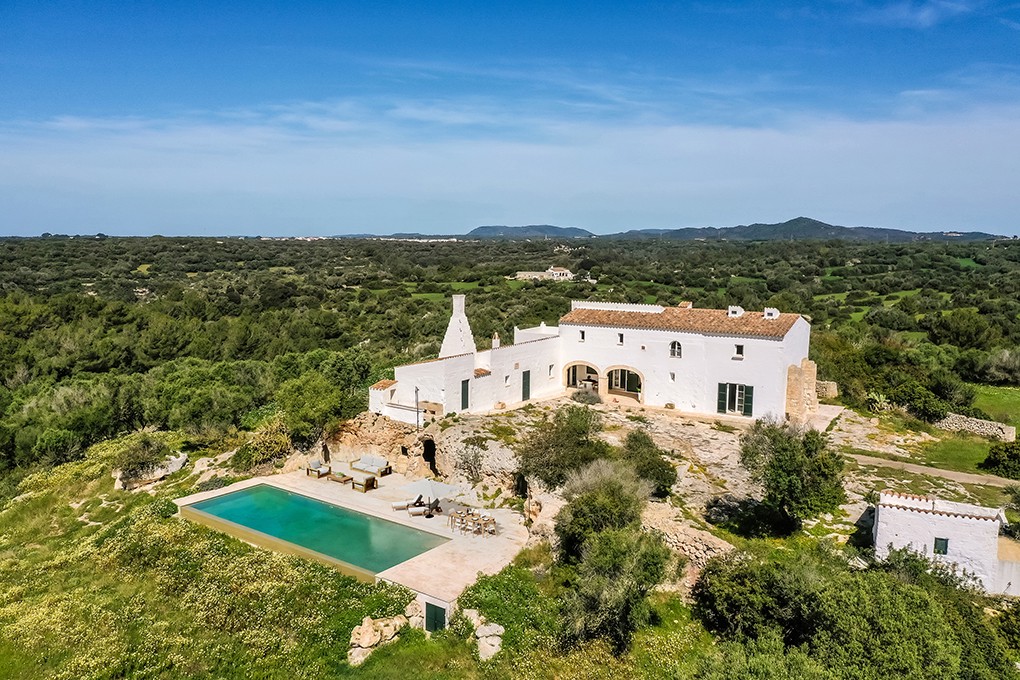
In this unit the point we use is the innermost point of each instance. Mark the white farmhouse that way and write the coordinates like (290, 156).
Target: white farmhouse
(550, 274)
(703, 361)
(959, 534)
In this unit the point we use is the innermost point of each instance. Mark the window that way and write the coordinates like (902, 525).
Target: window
(736, 399)
(619, 338)
(582, 336)
(550, 370)
(506, 380)
(941, 546)
(672, 377)
(738, 351)
(675, 350)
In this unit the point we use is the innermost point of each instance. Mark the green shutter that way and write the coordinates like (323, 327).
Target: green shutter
(748, 400)
(465, 387)
(435, 617)
(722, 398)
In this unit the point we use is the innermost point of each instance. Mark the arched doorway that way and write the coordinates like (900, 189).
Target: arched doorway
(582, 376)
(429, 455)
(625, 381)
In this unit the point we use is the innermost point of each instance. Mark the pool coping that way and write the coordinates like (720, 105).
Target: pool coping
(264, 540)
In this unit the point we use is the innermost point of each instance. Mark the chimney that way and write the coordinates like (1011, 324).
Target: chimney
(495, 341)
(771, 313)
(734, 311)
(686, 304)
(458, 339)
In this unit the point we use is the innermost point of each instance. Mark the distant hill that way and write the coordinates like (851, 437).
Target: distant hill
(799, 229)
(530, 231)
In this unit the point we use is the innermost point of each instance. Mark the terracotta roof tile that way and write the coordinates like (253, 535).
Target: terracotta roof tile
(482, 372)
(689, 320)
(383, 385)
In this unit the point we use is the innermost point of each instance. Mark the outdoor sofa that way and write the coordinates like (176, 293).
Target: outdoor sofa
(373, 465)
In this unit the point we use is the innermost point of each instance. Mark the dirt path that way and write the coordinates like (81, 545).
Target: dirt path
(962, 477)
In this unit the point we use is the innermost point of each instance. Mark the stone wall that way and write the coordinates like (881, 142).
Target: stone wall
(826, 389)
(801, 391)
(679, 534)
(954, 422)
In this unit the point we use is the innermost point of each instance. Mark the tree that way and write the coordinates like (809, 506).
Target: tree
(801, 476)
(618, 569)
(565, 444)
(1003, 459)
(604, 495)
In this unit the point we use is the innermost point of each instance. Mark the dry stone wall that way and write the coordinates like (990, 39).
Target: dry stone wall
(954, 422)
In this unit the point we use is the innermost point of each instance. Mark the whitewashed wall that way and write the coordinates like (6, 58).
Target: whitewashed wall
(973, 543)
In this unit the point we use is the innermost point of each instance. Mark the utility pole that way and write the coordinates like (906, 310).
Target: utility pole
(417, 412)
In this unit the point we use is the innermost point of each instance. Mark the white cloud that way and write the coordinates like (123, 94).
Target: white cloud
(337, 167)
(919, 15)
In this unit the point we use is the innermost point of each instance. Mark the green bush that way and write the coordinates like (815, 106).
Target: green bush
(603, 496)
(141, 456)
(269, 442)
(647, 458)
(567, 443)
(1003, 459)
(513, 599)
(619, 568)
(801, 476)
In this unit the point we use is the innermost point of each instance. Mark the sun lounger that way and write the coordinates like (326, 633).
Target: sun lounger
(373, 465)
(426, 510)
(404, 505)
(317, 468)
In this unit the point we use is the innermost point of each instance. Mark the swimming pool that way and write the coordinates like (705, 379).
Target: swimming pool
(359, 544)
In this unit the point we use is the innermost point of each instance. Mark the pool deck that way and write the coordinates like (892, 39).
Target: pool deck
(441, 573)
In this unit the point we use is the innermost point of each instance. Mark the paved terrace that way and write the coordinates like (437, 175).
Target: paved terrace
(443, 572)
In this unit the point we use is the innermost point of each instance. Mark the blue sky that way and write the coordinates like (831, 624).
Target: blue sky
(317, 118)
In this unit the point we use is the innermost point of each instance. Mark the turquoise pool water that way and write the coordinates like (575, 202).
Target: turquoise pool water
(364, 541)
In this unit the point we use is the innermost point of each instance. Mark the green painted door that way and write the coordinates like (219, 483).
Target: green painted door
(526, 385)
(435, 617)
(465, 389)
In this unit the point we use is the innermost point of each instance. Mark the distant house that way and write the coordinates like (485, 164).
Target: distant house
(550, 274)
(959, 534)
(708, 361)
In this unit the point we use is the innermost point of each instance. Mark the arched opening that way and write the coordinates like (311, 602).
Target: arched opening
(582, 376)
(625, 381)
(429, 455)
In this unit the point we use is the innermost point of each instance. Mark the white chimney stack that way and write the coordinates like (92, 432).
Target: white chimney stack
(495, 340)
(734, 311)
(458, 339)
(771, 313)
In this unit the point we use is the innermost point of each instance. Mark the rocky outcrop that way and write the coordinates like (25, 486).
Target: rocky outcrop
(415, 615)
(168, 467)
(954, 422)
(488, 636)
(373, 633)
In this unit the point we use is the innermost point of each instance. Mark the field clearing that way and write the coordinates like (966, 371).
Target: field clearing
(1001, 403)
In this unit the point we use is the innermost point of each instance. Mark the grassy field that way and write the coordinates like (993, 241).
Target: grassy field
(1001, 403)
(956, 452)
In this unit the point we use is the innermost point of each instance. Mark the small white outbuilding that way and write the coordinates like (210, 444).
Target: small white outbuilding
(959, 534)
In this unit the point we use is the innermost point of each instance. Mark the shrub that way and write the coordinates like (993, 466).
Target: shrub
(647, 458)
(270, 441)
(512, 599)
(586, 397)
(604, 495)
(55, 446)
(619, 568)
(921, 401)
(556, 448)
(801, 476)
(1003, 459)
(141, 456)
